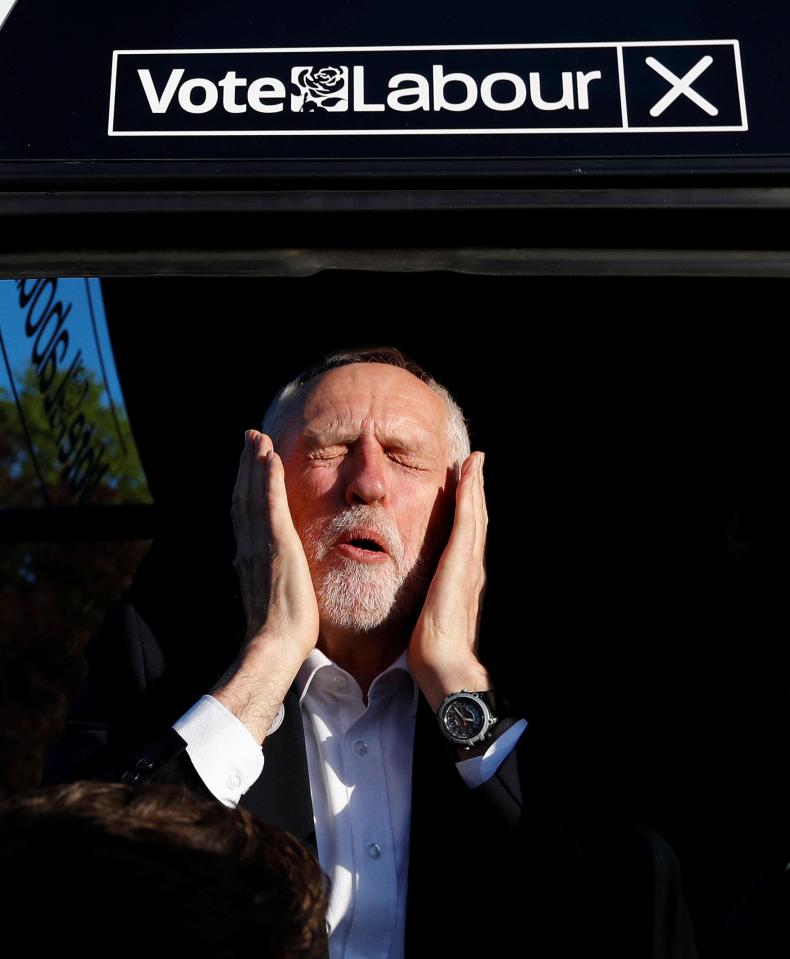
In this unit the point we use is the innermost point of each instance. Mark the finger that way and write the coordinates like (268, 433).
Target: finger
(242, 488)
(240, 505)
(483, 492)
(248, 513)
(246, 480)
(477, 495)
(463, 533)
(481, 510)
(260, 479)
(277, 514)
(279, 510)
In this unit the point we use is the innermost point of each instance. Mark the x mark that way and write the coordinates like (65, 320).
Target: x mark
(681, 85)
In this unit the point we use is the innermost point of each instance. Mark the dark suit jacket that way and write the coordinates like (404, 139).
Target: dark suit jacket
(490, 868)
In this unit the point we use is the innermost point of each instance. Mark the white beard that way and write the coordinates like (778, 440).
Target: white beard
(358, 596)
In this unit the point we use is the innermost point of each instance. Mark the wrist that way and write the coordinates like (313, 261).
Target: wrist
(440, 681)
(272, 643)
(255, 685)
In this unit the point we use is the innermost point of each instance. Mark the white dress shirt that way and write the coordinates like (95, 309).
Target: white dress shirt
(359, 760)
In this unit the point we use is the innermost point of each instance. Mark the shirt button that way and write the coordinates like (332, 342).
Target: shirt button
(360, 748)
(374, 850)
(234, 781)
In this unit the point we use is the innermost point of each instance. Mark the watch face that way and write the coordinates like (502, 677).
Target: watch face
(463, 719)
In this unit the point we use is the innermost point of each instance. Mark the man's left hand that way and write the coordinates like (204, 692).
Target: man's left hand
(442, 651)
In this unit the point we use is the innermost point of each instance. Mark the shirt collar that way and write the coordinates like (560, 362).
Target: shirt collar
(318, 660)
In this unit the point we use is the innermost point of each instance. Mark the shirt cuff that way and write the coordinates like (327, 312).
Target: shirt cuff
(223, 751)
(478, 769)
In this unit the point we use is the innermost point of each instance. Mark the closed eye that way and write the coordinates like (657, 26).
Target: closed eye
(328, 454)
(401, 462)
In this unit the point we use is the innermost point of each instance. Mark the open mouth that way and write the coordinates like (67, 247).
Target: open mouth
(360, 546)
(368, 544)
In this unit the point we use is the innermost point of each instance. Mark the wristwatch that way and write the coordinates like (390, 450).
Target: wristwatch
(467, 718)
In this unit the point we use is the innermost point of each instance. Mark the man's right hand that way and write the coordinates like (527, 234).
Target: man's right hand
(276, 590)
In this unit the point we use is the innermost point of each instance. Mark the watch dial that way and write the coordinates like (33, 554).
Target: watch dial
(463, 719)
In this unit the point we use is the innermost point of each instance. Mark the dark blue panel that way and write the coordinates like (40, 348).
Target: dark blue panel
(717, 70)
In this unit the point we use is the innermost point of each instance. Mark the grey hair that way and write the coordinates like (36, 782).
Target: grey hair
(456, 427)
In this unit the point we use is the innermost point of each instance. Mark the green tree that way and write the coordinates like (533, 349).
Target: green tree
(53, 595)
(32, 449)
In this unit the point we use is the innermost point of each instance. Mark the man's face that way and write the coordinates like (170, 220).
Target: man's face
(366, 458)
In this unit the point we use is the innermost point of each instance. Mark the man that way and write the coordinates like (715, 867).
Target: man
(360, 522)
(207, 880)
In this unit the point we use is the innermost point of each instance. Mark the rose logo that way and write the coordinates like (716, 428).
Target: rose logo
(324, 88)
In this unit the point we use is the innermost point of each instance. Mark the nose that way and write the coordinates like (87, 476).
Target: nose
(367, 478)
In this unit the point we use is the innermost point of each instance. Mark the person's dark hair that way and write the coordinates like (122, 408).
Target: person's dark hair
(456, 427)
(100, 867)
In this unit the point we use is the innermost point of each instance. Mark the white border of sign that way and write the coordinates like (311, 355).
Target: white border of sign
(617, 45)
(6, 6)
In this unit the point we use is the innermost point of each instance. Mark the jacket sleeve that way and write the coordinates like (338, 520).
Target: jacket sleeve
(501, 791)
(117, 728)
(672, 931)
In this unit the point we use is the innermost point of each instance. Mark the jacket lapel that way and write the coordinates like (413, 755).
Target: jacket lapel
(437, 823)
(281, 794)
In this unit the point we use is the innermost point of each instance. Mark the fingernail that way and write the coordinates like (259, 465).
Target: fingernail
(482, 460)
